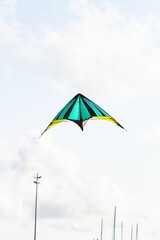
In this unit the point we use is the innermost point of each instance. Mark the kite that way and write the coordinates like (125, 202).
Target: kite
(79, 110)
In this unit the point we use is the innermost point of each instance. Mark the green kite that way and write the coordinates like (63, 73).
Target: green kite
(79, 110)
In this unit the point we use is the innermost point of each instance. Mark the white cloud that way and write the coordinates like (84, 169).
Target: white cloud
(9, 34)
(103, 52)
(68, 191)
(7, 159)
(25, 49)
(8, 7)
(71, 197)
(6, 69)
(154, 135)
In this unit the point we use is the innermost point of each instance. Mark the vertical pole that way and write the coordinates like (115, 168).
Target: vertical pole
(137, 232)
(121, 230)
(35, 219)
(132, 232)
(114, 225)
(101, 229)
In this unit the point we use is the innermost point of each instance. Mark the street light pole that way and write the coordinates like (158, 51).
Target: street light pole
(35, 221)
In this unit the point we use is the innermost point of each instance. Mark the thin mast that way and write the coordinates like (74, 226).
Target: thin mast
(121, 230)
(137, 232)
(101, 229)
(114, 225)
(132, 232)
(35, 220)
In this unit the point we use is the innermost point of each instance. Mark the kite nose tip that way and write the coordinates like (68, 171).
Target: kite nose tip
(79, 94)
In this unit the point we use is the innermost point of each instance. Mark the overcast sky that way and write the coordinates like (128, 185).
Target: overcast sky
(110, 52)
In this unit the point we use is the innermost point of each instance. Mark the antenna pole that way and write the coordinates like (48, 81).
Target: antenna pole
(35, 220)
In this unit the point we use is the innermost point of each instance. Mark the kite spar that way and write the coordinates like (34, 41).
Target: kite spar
(79, 110)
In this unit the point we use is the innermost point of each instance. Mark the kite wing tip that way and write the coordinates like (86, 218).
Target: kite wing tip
(121, 126)
(42, 133)
(124, 129)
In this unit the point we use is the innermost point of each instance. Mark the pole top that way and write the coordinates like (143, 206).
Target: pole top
(36, 179)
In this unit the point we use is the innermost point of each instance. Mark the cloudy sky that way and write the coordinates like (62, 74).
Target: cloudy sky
(50, 51)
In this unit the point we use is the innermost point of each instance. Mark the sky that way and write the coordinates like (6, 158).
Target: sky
(110, 52)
